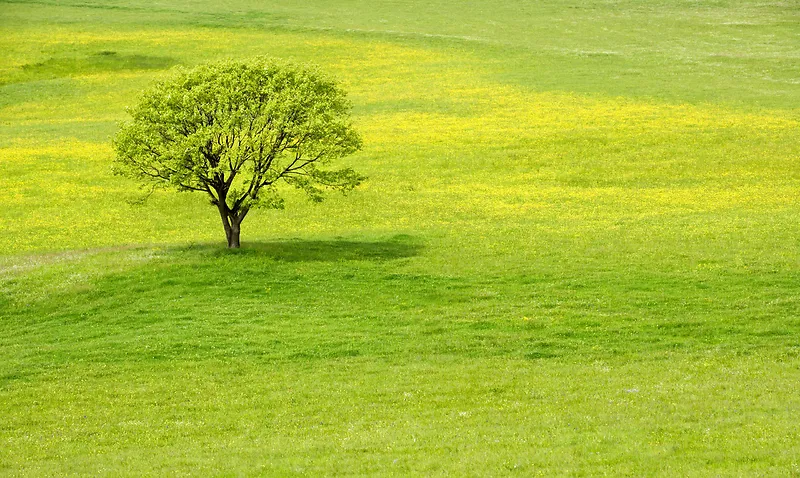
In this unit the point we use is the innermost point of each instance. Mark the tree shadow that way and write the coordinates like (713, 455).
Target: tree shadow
(300, 250)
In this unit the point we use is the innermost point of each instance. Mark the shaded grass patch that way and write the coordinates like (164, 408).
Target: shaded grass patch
(301, 250)
(104, 61)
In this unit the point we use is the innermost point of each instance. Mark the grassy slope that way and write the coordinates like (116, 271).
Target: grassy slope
(578, 251)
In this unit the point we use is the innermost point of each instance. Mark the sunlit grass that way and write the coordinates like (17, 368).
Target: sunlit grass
(485, 139)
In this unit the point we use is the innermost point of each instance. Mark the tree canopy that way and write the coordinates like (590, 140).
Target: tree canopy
(235, 131)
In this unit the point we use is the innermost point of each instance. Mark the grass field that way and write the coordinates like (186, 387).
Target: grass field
(577, 253)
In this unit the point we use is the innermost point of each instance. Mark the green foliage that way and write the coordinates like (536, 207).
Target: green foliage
(235, 130)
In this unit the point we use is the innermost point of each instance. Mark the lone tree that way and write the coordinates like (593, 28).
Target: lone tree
(235, 131)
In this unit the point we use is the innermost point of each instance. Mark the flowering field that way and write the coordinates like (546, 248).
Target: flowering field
(578, 250)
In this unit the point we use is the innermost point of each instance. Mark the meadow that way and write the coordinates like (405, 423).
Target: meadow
(577, 253)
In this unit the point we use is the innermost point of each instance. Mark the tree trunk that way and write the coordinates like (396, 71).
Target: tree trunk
(227, 223)
(233, 237)
(231, 220)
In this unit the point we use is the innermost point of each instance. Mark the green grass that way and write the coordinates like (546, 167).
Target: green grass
(577, 254)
